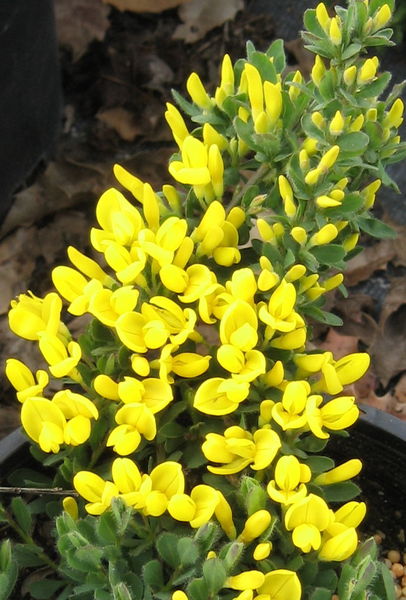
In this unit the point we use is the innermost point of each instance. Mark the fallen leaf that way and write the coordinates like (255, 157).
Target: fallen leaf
(145, 6)
(358, 322)
(388, 350)
(78, 22)
(62, 185)
(368, 261)
(304, 58)
(339, 345)
(400, 390)
(122, 121)
(201, 16)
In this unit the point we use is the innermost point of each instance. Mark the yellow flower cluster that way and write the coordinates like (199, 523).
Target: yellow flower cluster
(199, 321)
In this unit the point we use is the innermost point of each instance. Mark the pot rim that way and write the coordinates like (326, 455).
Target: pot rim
(370, 415)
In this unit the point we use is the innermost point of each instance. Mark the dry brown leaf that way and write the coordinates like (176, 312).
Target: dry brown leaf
(78, 22)
(400, 390)
(369, 260)
(304, 58)
(145, 6)
(357, 320)
(122, 121)
(388, 350)
(62, 185)
(339, 345)
(201, 16)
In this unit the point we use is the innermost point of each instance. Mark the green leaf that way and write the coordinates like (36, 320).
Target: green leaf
(311, 23)
(322, 316)
(188, 551)
(329, 254)
(341, 492)
(22, 514)
(320, 594)
(197, 590)
(277, 51)
(354, 142)
(376, 228)
(319, 464)
(187, 107)
(327, 578)
(312, 444)
(166, 545)
(8, 570)
(214, 575)
(375, 88)
(383, 586)
(45, 588)
(152, 574)
(351, 50)
(264, 65)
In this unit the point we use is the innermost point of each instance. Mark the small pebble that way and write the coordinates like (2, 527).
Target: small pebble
(398, 591)
(394, 556)
(397, 570)
(378, 538)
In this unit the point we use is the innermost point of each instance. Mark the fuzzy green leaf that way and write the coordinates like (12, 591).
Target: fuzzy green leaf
(166, 545)
(329, 254)
(45, 588)
(376, 228)
(22, 514)
(354, 142)
(214, 575)
(341, 492)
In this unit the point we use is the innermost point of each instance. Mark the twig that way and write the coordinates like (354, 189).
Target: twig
(40, 491)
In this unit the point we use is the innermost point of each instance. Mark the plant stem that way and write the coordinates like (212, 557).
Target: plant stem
(39, 491)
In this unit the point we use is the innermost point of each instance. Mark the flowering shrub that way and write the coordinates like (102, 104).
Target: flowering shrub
(192, 411)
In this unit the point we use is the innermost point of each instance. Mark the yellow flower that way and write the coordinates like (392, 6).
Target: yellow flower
(287, 478)
(71, 507)
(244, 367)
(133, 420)
(340, 546)
(281, 584)
(98, 492)
(192, 169)
(324, 236)
(289, 412)
(343, 472)
(218, 396)
(394, 117)
(279, 313)
(307, 518)
(78, 412)
(154, 393)
(29, 316)
(368, 70)
(334, 415)
(247, 580)
(238, 326)
(323, 17)
(44, 422)
(62, 359)
(107, 306)
(238, 449)
(22, 379)
(197, 509)
(351, 514)
(167, 480)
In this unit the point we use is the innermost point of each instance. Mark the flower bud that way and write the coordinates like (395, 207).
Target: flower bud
(255, 526)
(343, 472)
(318, 120)
(368, 71)
(326, 235)
(349, 75)
(329, 158)
(262, 551)
(382, 17)
(295, 272)
(322, 16)
(357, 123)
(335, 31)
(286, 192)
(337, 124)
(318, 70)
(394, 117)
(350, 242)
(299, 235)
(333, 282)
(197, 92)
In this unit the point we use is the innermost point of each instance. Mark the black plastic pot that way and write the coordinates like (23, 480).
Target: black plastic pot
(378, 439)
(30, 96)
